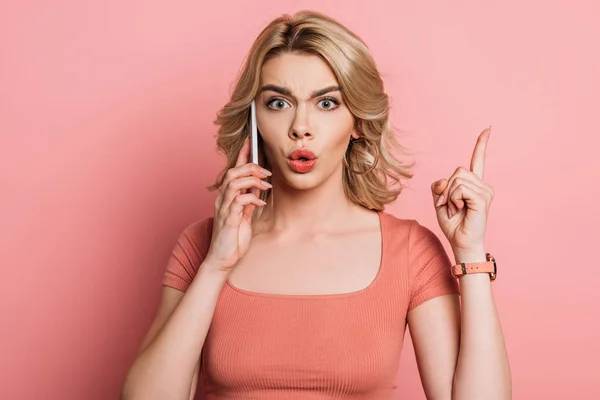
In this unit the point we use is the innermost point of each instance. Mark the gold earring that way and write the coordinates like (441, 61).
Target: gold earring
(369, 145)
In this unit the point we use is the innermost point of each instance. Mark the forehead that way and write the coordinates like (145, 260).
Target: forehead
(301, 73)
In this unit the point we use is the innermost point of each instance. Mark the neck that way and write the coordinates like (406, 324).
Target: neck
(322, 208)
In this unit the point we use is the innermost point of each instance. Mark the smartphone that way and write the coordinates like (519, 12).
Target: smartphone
(253, 135)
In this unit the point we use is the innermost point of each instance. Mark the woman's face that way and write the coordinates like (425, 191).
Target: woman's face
(299, 107)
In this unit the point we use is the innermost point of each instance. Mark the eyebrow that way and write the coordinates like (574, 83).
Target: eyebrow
(287, 92)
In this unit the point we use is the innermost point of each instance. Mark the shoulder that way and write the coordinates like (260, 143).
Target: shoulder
(189, 252)
(199, 228)
(196, 236)
(394, 226)
(394, 223)
(423, 254)
(408, 231)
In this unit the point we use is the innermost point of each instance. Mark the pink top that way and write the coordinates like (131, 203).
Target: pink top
(346, 346)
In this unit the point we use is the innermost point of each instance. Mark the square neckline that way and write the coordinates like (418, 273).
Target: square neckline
(325, 296)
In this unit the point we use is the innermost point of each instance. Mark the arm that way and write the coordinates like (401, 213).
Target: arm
(433, 312)
(435, 333)
(462, 203)
(167, 365)
(477, 368)
(169, 301)
(482, 370)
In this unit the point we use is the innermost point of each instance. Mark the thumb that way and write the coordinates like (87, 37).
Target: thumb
(437, 188)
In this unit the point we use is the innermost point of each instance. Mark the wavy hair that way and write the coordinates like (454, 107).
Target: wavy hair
(372, 175)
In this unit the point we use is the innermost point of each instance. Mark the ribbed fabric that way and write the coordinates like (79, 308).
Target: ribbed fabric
(343, 346)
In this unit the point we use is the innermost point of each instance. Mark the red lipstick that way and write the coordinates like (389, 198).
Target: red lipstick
(302, 160)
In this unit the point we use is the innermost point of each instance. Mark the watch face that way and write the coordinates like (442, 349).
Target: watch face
(491, 258)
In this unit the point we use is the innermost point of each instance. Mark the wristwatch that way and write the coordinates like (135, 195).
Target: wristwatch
(488, 266)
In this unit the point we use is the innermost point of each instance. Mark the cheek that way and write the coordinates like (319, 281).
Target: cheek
(337, 129)
(271, 127)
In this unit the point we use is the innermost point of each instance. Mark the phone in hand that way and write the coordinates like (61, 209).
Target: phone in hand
(253, 135)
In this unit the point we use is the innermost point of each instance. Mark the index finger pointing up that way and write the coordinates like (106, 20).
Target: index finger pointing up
(478, 159)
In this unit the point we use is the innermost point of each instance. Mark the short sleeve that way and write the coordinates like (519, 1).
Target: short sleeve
(187, 255)
(429, 267)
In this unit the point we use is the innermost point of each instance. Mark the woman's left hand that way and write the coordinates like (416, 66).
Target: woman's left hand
(462, 203)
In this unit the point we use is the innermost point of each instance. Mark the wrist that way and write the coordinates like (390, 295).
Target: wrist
(214, 270)
(471, 255)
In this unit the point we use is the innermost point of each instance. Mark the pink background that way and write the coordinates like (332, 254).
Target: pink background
(107, 143)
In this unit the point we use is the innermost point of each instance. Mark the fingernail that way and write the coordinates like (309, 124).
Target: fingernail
(266, 184)
(265, 172)
(440, 201)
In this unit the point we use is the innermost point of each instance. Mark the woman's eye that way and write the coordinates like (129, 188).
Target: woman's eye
(277, 104)
(328, 104)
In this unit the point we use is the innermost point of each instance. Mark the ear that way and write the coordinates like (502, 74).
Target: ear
(355, 135)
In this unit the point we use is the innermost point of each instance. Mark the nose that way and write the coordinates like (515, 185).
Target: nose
(300, 128)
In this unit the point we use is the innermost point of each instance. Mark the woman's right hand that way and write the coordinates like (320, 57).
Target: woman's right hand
(232, 229)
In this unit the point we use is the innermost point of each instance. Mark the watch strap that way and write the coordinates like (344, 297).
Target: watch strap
(488, 266)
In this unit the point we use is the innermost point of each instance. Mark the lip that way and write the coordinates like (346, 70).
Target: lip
(302, 160)
(297, 154)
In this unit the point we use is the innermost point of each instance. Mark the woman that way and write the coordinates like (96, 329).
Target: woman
(305, 282)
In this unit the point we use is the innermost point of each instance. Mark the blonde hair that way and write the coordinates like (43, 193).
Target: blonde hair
(372, 175)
